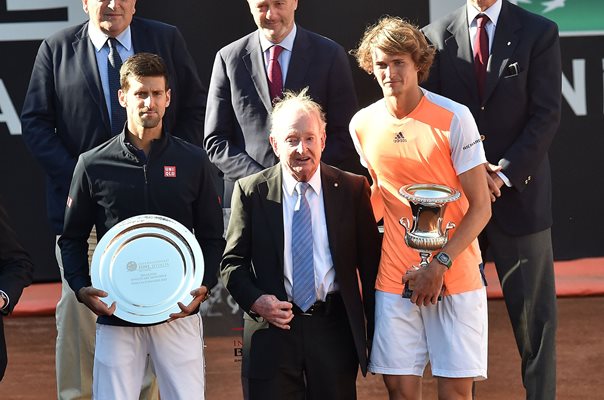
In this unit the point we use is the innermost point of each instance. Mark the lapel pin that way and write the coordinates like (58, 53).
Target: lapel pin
(509, 43)
(335, 184)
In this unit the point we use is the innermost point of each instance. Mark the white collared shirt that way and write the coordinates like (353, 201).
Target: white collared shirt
(124, 47)
(286, 54)
(325, 274)
(491, 12)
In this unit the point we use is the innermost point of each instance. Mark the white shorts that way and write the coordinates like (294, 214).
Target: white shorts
(175, 347)
(452, 335)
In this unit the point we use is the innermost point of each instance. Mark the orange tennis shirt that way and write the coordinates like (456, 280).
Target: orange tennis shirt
(434, 143)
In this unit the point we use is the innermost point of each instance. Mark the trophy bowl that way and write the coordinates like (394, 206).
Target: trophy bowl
(147, 264)
(425, 233)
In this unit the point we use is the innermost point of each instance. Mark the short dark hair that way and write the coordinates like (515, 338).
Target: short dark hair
(140, 65)
(394, 35)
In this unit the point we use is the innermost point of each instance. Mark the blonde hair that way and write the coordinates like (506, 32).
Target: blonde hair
(393, 36)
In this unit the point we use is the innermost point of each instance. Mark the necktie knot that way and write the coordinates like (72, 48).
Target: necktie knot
(481, 20)
(301, 188)
(274, 52)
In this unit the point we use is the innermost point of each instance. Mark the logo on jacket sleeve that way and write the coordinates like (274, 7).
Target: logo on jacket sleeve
(169, 171)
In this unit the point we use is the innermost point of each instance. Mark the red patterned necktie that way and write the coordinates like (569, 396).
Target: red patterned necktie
(275, 77)
(481, 51)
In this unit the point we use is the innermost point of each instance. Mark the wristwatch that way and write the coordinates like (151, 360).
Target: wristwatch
(444, 259)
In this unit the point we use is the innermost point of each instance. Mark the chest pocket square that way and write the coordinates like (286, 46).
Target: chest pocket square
(511, 70)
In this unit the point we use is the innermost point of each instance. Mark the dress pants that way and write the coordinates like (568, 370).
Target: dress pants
(314, 360)
(76, 330)
(526, 271)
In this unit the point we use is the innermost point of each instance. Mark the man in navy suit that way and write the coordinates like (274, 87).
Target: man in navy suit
(16, 272)
(70, 108)
(240, 99)
(516, 106)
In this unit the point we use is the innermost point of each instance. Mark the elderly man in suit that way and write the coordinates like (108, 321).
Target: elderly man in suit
(16, 272)
(251, 72)
(504, 64)
(294, 260)
(71, 106)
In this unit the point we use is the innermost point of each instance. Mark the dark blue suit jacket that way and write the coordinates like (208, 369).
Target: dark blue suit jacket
(65, 113)
(16, 272)
(237, 122)
(520, 112)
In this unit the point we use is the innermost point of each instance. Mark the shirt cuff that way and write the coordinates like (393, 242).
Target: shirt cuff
(4, 298)
(504, 178)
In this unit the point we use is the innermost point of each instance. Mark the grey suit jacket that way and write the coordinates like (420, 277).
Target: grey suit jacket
(237, 122)
(253, 259)
(65, 114)
(520, 112)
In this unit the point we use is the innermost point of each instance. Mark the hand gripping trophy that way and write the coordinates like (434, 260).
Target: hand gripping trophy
(428, 202)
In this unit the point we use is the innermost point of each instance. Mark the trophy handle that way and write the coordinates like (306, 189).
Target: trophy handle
(405, 223)
(450, 225)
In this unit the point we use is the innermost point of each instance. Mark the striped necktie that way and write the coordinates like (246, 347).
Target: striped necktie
(117, 112)
(302, 252)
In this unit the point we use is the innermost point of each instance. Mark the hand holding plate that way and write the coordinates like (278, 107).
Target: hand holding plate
(90, 297)
(199, 296)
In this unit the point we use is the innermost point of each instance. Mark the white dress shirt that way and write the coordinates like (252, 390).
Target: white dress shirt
(286, 54)
(491, 12)
(124, 48)
(325, 274)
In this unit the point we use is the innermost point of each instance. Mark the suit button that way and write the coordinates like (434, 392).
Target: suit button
(482, 138)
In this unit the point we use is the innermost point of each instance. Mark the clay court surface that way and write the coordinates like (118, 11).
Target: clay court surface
(30, 374)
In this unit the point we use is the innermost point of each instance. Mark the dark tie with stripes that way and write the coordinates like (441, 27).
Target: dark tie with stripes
(117, 112)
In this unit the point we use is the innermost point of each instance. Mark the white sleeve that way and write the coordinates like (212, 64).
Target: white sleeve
(466, 145)
(355, 139)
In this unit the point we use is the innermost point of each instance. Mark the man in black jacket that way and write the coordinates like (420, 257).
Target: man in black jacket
(143, 170)
(15, 273)
(71, 106)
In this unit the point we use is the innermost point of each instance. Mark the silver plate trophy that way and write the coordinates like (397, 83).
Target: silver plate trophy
(428, 202)
(147, 264)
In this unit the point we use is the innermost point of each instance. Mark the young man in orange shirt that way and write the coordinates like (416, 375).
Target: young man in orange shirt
(415, 136)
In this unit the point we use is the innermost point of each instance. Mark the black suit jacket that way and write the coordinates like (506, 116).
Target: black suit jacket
(237, 122)
(253, 259)
(520, 112)
(65, 113)
(16, 272)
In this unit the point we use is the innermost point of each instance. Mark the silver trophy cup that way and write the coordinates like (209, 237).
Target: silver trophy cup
(425, 234)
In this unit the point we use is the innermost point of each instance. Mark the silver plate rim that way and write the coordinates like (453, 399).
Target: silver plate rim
(142, 224)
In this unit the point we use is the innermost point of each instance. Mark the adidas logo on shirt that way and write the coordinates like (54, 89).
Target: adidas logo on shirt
(399, 138)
